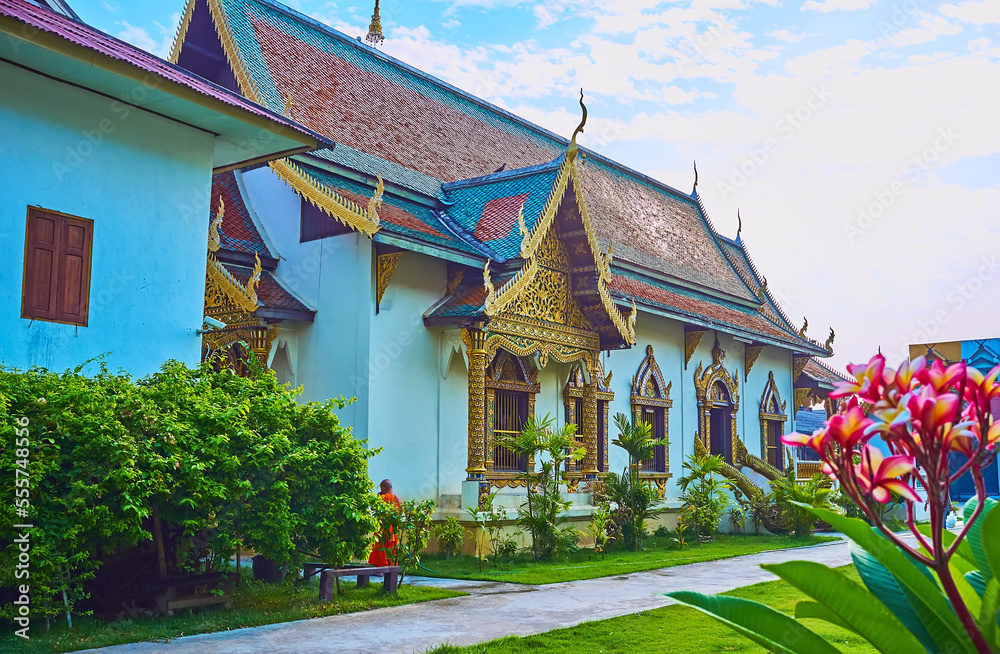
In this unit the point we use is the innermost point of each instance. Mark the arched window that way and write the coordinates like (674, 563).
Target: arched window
(772, 425)
(717, 391)
(651, 404)
(510, 400)
(573, 397)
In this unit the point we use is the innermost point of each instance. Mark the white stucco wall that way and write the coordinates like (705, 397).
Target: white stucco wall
(144, 180)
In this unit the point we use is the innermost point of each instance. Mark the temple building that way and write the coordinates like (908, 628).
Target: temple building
(457, 269)
(108, 158)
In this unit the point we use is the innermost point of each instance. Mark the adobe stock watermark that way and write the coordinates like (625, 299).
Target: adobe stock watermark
(899, 16)
(913, 170)
(786, 127)
(956, 299)
(693, 48)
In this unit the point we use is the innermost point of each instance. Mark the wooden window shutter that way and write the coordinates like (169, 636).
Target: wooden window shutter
(57, 267)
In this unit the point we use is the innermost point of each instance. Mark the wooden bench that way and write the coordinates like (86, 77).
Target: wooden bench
(329, 578)
(182, 592)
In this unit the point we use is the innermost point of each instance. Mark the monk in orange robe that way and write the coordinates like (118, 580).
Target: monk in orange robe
(386, 540)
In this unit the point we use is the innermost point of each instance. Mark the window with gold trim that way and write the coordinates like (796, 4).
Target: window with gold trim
(772, 425)
(651, 404)
(573, 397)
(510, 401)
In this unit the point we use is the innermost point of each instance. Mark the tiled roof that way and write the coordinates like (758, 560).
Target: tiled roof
(823, 373)
(372, 103)
(652, 293)
(238, 231)
(809, 420)
(371, 164)
(740, 258)
(270, 292)
(83, 35)
(487, 207)
(467, 300)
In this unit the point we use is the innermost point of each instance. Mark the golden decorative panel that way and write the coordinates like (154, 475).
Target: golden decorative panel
(692, 337)
(750, 355)
(798, 365)
(385, 267)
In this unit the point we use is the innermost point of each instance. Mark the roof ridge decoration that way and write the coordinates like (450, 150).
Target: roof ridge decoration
(498, 299)
(182, 29)
(214, 239)
(375, 36)
(333, 204)
(340, 208)
(244, 297)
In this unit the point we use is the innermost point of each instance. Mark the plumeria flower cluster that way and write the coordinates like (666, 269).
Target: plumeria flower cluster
(925, 414)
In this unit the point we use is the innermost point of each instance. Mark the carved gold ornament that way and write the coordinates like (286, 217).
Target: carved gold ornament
(798, 365)
(751, 352)
(708, 393)
(334, 205)
(214, 240)
(692, 337)
(385, 266)
(805, 326)
(829, 342)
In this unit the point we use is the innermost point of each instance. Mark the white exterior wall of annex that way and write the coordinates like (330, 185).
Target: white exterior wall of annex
(329, 356)
(407, 406)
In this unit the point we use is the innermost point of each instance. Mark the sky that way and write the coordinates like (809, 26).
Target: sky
(859, 140)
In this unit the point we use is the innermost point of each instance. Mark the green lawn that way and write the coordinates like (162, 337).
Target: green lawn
(585, 564)
(670, 629)
(254, 604)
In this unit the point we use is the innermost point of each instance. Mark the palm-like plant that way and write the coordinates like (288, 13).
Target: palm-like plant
(703, 493)
(545, 507)
(792, 497)
(635, 500)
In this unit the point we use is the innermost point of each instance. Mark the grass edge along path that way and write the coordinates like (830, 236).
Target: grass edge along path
(586, 564)
(671, 629)
(254, 604)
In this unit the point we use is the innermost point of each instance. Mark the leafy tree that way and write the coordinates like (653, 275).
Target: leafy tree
(411, 526)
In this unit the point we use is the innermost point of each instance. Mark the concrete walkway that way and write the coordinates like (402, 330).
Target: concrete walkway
(492, 610)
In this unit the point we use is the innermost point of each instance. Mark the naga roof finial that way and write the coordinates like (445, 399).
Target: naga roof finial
(695, 188)
(572, 149)
(214, 240)
(805, 326)
(829, 342)
(739, 227)
(375, 29)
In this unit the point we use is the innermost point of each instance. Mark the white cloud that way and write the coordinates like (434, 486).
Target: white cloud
(786, 36)
(929, 28)
(451, 23)
(141, 38)
(826, 6)
(977, 13)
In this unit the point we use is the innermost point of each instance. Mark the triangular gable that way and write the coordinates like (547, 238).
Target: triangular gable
(561, 257)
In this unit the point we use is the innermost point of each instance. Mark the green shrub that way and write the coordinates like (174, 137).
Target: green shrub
(450, 535)
(703, 493)
(793, 498)
(216, 457)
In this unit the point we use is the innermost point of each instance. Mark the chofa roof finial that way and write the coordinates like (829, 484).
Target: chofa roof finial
(375, 29)
(739, 227)
(572, 149)
(694, 189)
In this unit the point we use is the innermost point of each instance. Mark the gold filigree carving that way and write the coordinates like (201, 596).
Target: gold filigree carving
(223, 288)
(476, 341)
(340, 208)
(214, 240)
(385, 266)
(802, 397)
(692, 337)
(751, 352)
(798, 365)
(181, 34)
(650, 391)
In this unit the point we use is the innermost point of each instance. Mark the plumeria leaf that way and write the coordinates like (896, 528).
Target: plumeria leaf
(762, 624)
(975, 535)
(975, 579)
(883, 585)
(816, 611)
(989, 614)
(930, 604)
(990, 536)
(964, 550)
(849, 601)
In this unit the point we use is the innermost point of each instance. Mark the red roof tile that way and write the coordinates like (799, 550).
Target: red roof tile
(270, 293)
(238, 230)
(499, 217)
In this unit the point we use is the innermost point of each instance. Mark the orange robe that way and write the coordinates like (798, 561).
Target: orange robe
(386, 540)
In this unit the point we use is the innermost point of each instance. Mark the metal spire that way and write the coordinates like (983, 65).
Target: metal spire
(375, 29)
